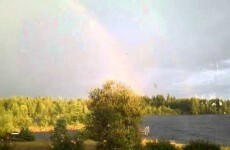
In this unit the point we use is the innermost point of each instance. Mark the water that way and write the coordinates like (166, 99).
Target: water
(183, 128)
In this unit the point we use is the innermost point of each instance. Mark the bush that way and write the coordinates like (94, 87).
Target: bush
(26, 135)
(5, 145)
(61, 139)
(201, 145)
(78, 141)
(161, 145)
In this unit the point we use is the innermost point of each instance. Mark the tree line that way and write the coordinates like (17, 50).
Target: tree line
(112, 116)
(17, 112)
(161, 105)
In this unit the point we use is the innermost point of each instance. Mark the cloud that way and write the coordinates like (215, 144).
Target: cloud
(177, 47)
(206, 82)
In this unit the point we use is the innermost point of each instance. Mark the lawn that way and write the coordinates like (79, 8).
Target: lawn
(44, 145)
(35, 145)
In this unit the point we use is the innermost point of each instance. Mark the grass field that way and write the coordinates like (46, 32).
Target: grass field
(44, 145)
(35, 145)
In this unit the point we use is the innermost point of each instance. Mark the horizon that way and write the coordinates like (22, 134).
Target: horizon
(66, 48)
(211, 97)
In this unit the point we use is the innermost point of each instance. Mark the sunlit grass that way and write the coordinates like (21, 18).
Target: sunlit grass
(35, 145)
(225, 148)
(78, 126)
(88, 144)
(45, 145)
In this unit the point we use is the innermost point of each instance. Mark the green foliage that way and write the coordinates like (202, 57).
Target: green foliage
(16, 112)
(161, 145)
(201, 145)
(183, 105)
(78, 140)
(5, 142)
(5, 146)
(157, 105)
(160, 106)
(6, 123)
(115, 117)
(59, 137)
(26, 135)
(195, 106)
(40, 112)
(62, 141)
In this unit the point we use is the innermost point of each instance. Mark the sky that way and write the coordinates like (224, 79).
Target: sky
(65, 48)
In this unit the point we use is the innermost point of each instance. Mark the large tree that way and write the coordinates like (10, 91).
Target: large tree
(116, 116)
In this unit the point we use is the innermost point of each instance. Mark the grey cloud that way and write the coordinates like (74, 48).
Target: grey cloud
(196, 34)
(205, 82)
(182, 48)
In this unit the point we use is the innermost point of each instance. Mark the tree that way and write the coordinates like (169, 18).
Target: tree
(59, 137)
(158, 100)
(62, 141)
(6, 123)
(26, 134)
(195, 106)
(115, 117)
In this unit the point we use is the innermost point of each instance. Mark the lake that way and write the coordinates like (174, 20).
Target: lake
(182, 128)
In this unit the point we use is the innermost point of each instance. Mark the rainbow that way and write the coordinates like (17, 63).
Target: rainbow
(116, 64)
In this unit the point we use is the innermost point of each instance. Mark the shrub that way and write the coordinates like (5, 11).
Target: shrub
(62, 141)
(201, 145)
(161, 145)
(59, 137)
(78, 141)
(4, 145)
(26, 135)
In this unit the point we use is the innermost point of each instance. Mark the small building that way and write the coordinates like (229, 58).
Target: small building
(14, 136)
(145, 131)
